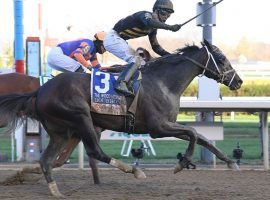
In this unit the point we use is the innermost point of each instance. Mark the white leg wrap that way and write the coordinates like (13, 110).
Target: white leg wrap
(122, 166)
(54, 189)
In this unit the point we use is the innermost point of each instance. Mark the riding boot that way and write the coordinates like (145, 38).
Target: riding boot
(124, 78)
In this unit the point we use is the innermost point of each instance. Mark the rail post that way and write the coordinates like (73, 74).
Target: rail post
(207, 21)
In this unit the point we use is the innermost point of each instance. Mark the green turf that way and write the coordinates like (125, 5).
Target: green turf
(244, 129)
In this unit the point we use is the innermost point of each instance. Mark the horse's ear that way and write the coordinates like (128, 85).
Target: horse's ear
(206, 43)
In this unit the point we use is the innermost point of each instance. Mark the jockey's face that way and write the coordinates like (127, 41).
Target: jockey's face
(163, 15)
(101, 49)
(99, 46)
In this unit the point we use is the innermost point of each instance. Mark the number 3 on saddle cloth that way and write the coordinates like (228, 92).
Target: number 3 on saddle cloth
(105, 100)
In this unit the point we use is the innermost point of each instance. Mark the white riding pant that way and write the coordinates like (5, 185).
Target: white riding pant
(119, 47)
(57, 60)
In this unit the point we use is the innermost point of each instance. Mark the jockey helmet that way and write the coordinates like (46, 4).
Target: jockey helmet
(98, 41)
(163, 5)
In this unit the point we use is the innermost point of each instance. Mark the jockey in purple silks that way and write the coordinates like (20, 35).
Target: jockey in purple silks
(71, 56)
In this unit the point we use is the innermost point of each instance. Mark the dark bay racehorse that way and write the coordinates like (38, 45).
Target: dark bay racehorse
(62, 105)
(17, 83)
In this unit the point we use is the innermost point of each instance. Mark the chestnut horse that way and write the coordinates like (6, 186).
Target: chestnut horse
(17, 83)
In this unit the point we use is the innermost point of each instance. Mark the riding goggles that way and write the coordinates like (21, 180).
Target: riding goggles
(165, 12)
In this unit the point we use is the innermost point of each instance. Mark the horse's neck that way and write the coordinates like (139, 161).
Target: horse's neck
(187, 72)
(175, 78)
(179, 76)
(190, 70)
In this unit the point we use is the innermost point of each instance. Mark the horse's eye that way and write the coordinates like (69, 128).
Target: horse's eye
(222, 59)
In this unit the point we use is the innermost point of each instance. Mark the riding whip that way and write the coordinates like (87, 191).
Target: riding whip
(214, 4)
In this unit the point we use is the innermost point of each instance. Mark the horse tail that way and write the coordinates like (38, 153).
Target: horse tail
(15, 107)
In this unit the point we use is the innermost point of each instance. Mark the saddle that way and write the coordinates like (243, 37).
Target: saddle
(105, 100)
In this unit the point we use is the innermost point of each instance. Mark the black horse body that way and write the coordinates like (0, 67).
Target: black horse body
(63, 107)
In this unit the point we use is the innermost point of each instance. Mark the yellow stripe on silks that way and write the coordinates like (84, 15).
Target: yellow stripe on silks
(134, 33)
(140, 30)
(127, 35)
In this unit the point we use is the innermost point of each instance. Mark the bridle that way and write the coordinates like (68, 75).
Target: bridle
(222, 75)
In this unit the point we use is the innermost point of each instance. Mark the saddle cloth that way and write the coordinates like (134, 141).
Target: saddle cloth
(104, 99)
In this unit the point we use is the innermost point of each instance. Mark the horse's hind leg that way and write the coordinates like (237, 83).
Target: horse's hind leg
(68, 147)
(56, 144)
(92, 160)
(66, 152)
(91, 143)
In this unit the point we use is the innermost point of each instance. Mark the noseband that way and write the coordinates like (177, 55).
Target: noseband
(220, 74)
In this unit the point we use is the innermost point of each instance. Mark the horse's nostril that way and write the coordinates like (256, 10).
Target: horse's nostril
(240, 82)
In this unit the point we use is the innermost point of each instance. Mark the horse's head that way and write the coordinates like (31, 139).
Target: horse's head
(144, 54)
(220, 68)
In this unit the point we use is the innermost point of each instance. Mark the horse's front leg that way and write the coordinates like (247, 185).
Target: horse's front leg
(91, 143)
(92, 161)
(170, 129)
(207, 144)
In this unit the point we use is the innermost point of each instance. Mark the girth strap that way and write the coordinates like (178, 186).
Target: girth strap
(130, 123)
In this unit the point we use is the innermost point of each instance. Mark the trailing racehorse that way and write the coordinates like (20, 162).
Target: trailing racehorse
(16, 83)
(62, 105)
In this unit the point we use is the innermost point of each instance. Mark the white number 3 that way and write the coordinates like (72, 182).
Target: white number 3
(105, 81)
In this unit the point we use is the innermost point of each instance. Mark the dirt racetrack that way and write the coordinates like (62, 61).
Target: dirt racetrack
(159, 184)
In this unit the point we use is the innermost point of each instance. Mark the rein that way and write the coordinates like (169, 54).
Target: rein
(205, 68)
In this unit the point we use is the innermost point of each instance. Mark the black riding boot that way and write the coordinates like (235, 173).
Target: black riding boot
(124, 78)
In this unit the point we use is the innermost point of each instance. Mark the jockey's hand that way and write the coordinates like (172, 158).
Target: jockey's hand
(175, 27)
(104, 68)
(89, 68)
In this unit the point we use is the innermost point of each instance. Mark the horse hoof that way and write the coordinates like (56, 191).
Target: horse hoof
(96, 182)
(233, 166)
(184, 162)
(179, 167)
(138, 173)
(54, 190)
(60, 196)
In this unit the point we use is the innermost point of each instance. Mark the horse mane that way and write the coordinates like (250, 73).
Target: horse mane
(173, 58)
(187, 49)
